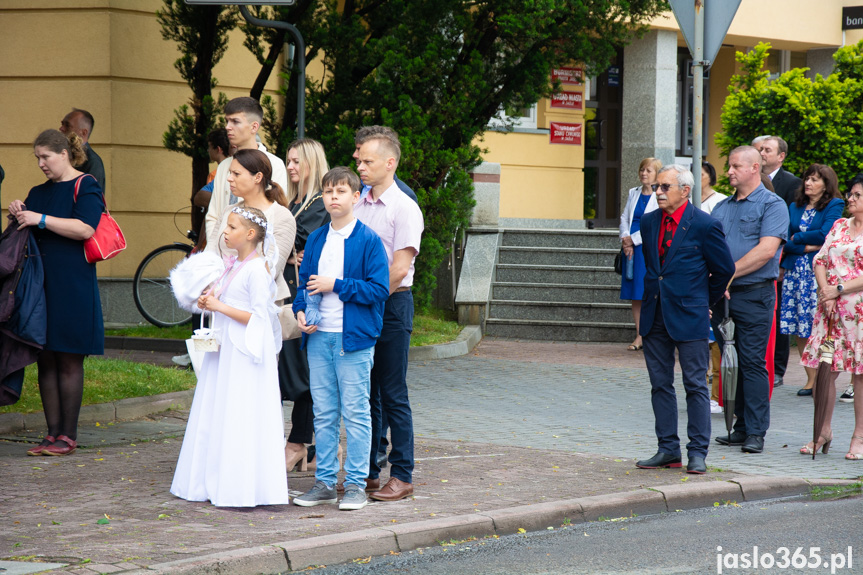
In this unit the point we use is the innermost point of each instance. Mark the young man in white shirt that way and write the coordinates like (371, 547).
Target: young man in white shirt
(243, 117)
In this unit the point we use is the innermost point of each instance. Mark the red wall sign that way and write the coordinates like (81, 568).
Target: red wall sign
(571, 100)
(571, 75)
(562, 133)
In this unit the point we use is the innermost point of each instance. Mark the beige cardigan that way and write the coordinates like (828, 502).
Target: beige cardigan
(284, 228)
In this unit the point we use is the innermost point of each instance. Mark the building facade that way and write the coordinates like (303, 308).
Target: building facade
(568, 163)
(642, 106)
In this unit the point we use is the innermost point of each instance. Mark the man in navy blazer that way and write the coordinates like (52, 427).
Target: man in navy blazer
(689, 267)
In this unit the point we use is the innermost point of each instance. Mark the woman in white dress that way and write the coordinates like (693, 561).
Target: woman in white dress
(232, 452)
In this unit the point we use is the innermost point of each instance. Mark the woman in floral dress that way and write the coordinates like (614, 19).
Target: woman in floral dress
(839, 274)
(812, 215)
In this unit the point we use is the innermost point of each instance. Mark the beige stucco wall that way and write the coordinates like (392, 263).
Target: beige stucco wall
(106, 56)
(539, 179)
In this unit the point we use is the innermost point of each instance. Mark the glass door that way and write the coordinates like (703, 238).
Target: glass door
(602, 147)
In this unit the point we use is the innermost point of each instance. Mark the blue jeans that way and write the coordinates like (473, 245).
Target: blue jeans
(340, 383)
(693, 356)
(390, 389)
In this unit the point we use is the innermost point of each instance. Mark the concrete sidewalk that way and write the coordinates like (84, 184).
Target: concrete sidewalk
(515, 435)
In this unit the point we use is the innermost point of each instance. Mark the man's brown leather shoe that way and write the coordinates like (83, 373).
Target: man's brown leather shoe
(394, 490)
(371, 485)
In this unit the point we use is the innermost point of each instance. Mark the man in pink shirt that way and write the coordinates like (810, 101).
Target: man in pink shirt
(399, 223)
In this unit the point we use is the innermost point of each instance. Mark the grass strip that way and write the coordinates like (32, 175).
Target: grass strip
(176, 332)
(107, 380)
(433, 327)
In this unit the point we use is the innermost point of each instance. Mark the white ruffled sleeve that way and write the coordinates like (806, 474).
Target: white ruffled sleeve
(261, 338)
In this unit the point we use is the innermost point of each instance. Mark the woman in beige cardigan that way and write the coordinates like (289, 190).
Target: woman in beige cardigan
(250, 180)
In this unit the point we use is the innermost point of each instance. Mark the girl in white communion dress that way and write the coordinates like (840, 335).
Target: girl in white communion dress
(233, 450)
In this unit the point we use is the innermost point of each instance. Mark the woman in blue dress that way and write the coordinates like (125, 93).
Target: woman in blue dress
(815, 209)
(642, 200)
(60, 223)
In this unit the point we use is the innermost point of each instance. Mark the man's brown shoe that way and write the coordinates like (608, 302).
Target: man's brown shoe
(394, 490)
(371, 485)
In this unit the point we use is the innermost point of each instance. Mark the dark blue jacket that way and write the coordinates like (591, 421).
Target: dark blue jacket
(23, 334)
(815, 234)
(364, 289)
(696, 272)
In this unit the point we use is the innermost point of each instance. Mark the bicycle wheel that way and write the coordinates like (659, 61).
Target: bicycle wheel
(152, 289)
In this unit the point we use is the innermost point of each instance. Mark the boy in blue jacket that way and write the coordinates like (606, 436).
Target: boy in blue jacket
(346, 263)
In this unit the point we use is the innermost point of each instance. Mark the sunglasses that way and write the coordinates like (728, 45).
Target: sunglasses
(663, 187)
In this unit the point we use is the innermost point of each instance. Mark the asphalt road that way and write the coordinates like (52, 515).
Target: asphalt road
(685, 542)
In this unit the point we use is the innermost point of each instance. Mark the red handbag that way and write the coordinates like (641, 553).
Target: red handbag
(108, 241)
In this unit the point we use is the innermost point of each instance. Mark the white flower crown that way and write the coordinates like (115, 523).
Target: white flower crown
(250, 216)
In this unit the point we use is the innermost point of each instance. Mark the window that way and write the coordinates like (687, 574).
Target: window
(685, 105)
(520, 118)
(780, 61)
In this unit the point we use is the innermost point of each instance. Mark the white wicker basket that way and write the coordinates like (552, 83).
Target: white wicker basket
(206, 339)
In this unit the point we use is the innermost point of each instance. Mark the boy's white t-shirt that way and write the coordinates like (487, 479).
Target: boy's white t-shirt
(332, 265)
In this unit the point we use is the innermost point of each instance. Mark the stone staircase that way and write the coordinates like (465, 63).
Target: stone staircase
(558, 285)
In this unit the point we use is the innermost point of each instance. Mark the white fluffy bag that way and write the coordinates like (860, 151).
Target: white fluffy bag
(192, 276)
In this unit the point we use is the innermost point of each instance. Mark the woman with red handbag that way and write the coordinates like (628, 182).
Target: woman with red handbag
(61, 225)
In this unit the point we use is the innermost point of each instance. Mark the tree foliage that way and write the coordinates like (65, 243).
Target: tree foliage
(438, 71)
(820, 118)
(201, 34)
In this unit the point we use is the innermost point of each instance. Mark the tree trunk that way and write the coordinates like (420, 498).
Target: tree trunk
(202, 89)
(267, 68)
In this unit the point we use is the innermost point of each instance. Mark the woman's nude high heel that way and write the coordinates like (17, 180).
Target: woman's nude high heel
(296, 458)
(808, 450)
(854, 456)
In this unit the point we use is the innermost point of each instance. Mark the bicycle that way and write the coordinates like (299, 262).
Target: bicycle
(151, 287)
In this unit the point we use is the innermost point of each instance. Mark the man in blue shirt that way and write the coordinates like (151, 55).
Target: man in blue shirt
(756, 225)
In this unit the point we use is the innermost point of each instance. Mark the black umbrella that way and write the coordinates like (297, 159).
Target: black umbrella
(728, 368)
(824, 394)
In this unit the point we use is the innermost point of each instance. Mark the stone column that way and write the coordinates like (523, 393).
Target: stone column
(486, 192)
(820, 62)
(649, 103)
(480, 254)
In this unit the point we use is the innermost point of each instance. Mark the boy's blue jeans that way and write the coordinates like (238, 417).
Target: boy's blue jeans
(340, 383)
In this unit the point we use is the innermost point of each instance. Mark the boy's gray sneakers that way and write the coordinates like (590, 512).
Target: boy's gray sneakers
(320, 494)
(354, 498)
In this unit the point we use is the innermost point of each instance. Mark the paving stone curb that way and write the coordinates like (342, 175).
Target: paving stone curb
(177, 346)
(131, 408)
(343, 547)
(136, 407)
(469, 337)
